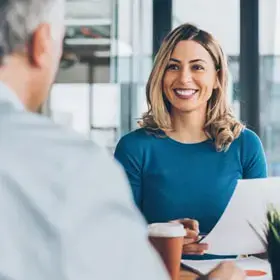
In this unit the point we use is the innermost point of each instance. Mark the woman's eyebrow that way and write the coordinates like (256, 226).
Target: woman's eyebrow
(191, 61)
(198, 60)
(175, 60)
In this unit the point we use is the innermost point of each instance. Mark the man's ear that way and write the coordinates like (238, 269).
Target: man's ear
(40, 45)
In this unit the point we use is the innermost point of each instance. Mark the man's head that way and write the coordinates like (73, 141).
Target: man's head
(31, 36)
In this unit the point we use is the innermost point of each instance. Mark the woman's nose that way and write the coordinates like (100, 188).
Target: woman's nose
(185, 76)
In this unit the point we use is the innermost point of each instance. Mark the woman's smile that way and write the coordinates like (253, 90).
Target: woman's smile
(187, 93)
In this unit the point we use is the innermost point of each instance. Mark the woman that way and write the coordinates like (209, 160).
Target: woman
(187, 157)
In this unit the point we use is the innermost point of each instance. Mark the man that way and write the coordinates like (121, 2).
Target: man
(65, 207)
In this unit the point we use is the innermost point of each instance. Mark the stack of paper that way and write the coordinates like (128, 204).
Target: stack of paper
(235, 232)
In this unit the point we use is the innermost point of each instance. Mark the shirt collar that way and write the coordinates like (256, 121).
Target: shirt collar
(8, 95)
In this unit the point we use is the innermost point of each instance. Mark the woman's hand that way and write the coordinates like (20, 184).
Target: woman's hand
(190, 246)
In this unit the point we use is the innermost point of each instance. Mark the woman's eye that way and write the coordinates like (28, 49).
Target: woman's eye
(172, 67)
(197, 67)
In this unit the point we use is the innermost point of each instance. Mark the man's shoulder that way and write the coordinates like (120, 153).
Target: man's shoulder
(37, 149)
(34, 126)
(24, 132)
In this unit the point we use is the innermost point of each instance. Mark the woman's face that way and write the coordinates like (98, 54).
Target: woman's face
(190, 77)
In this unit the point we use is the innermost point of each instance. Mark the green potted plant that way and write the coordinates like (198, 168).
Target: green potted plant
(273, 241)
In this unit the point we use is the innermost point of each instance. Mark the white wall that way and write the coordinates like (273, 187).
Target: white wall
(69, 104)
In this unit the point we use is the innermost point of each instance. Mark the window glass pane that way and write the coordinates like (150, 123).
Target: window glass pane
(269, 44)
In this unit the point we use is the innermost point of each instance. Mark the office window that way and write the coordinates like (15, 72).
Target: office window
(269, 44)
(222, 19)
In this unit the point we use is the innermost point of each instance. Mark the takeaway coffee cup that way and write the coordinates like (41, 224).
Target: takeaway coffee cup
(168, 239)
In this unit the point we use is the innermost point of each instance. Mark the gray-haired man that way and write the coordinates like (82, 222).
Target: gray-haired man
(65, 207)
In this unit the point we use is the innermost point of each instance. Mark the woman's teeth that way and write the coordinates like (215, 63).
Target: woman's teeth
(185, 92)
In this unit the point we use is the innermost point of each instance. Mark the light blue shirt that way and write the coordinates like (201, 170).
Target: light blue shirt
(66, 211)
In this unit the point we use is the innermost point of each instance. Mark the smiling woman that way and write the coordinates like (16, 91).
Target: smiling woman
(186, 159)
(190, 57)
(189, 79)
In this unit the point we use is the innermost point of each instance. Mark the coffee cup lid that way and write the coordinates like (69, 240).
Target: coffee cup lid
(166, 230)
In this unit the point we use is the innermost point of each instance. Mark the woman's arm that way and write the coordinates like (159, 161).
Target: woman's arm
(252, 156)
(130, 157)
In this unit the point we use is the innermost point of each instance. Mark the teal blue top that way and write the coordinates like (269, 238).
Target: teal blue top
(172, 180)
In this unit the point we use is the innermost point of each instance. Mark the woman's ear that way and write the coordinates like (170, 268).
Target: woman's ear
(216, 83)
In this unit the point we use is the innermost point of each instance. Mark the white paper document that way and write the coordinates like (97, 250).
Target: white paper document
(233, 234)
(246, 264)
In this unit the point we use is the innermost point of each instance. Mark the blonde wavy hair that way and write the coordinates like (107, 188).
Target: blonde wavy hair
(221, 126)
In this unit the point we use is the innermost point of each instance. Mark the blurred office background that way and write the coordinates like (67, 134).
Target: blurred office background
(103, 93)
